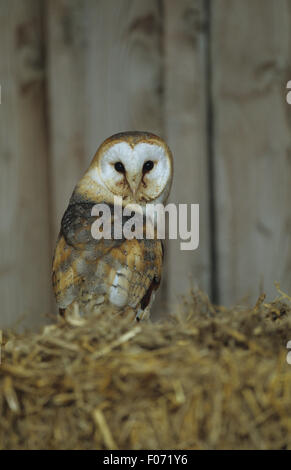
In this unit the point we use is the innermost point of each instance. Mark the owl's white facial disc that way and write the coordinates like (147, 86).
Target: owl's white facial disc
(136, 179)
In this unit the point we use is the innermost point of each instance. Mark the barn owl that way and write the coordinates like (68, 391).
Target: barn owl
(116, 275)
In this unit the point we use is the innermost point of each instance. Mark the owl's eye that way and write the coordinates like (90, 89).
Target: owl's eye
(148, 166)
(119, 167)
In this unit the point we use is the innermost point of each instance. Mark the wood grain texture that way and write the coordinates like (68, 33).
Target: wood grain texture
(66, 67)
(186, 130)
(251, 64)
(25, 263)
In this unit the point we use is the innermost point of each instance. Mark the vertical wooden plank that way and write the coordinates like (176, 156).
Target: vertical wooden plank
(105, 69)
(251, 59)
(124, 75)
(25, 263)
(186, 129)
(66, 67)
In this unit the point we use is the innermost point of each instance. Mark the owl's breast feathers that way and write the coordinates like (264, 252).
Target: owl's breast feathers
(116, 272)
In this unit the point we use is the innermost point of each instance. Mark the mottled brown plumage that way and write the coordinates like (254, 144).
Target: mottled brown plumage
(118, 275)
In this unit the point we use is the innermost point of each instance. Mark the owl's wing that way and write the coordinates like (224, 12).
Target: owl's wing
(155, 283)
(144, 262)
(127, 271)
(76, 250)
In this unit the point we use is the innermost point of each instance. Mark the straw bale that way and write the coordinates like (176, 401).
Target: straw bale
(205, 378)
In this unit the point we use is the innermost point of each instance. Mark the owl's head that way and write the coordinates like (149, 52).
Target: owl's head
(137, 166)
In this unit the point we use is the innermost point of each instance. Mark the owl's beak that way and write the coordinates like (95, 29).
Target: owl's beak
(134, 182)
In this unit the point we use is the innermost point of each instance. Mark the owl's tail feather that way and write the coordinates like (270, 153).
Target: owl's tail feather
(72, 315)
(76, 316)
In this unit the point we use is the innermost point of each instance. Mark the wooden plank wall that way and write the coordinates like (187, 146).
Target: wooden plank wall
(186, 133)
(208, 76)
(251, 64)
(25, 224)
